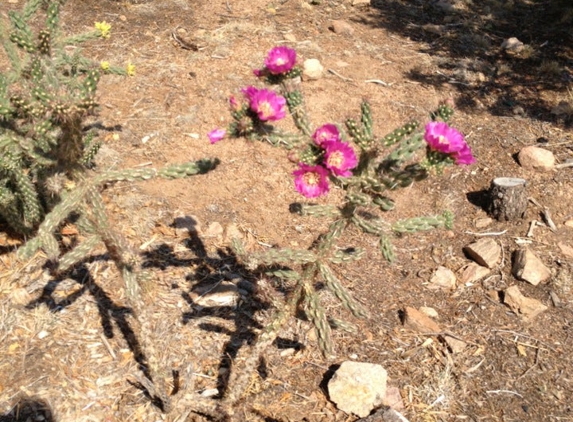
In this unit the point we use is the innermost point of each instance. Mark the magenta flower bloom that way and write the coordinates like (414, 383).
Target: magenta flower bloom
(311, 181)
(327, 132)
(447, 140)
(216, 135)
(280, 60)
(267, 104)
(464, 156)
(249, 92)
(339, 158)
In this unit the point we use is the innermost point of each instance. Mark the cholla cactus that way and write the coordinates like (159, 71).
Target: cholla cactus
(45, 98)
(45, 152)
(368, 169)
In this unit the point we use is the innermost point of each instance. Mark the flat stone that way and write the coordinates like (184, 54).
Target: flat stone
(358, 387)
(482, 223)
(565, 249)
(528, 267)
(525, 307)
(420, 322)
(512, 44)
(473, 272)
(223, 293)
(485, 252)
(341, 27)
(360, 2)
(536, 158)
(431, 312)
(443, 279)
(456, 345)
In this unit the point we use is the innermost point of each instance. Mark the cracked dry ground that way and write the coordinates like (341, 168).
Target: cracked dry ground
(62, 344)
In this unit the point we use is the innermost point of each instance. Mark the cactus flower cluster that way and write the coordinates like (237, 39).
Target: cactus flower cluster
(323, 156)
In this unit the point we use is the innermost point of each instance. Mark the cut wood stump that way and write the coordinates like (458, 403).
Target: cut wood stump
(508, 198)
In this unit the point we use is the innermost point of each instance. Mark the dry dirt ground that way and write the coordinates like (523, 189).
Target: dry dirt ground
(65, 348)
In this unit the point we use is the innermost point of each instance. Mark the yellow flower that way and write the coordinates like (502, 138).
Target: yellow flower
(104, 28)
(104, 65)
(130, 69)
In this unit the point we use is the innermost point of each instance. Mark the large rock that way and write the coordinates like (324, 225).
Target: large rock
(358, 387)
(443, 279)
(420, 322)
(473, 272)
(485, 252)
(312, 69)
(525, 307)
(528, 267)
(533, 157)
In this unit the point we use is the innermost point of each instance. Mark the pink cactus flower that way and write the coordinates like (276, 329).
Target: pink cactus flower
(267, 104)
(249, 92)
(280, 60)
(216, 135)
(447, 140)
(327, 132)
(311, 181)
(339, 158)
(464, 156)
(234, 104)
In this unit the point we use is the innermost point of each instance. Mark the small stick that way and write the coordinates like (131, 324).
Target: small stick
(504, 391)
(377, 81)
(564, 165)
(108, 346)
(547, 217)
(534, 201)
(531, 227)
(344, 78)
(487, 234)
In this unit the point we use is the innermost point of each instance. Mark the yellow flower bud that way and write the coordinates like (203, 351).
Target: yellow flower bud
(130, 69)
(104, 28)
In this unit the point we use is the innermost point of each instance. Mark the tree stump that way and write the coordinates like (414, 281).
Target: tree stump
(508, 198)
